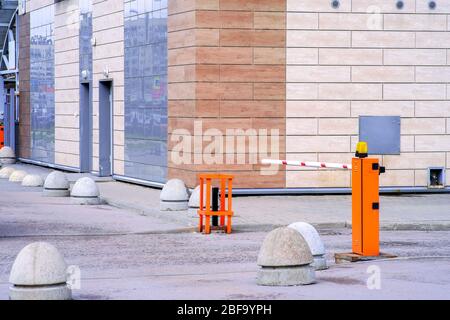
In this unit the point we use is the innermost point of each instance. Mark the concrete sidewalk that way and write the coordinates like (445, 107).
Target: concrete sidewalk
(398, 212)
(405, 212)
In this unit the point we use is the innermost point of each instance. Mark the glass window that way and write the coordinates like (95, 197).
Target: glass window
(42, 85)
(146, 89)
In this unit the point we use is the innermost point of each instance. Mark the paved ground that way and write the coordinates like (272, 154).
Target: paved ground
(124, 255)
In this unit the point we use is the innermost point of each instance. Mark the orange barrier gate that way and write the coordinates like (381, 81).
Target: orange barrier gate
(2, 137)
(208, 209)
(365, 197)
(365, 203)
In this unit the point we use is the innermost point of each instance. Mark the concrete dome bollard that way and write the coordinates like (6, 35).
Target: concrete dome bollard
(56, 185)
(6, 172)
(85, 191)
(17, 176)
(285, 259)
(32, 180)
(7, 156)
(174, 196)
(194, 201)
(311, 236)
(39, 273)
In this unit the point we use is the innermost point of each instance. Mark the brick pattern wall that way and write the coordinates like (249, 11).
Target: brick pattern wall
(107, 20)
(67, 87)
(299, 66)
(24, 138)
(227, 70)
(182, 35)
(345, 62)
(37, 4)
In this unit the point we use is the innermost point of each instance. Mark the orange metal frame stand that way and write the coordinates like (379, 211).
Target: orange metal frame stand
(365, 206)
(2, 137)
(225, 209)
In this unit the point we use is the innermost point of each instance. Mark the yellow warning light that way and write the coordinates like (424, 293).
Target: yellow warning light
(362, 149)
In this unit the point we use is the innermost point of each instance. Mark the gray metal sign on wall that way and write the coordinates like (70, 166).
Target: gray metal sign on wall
(382, 133)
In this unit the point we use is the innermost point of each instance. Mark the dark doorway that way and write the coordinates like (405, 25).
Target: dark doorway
(85, 127)
(105, 128)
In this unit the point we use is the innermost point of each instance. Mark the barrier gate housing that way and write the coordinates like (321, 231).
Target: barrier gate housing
(365, 197)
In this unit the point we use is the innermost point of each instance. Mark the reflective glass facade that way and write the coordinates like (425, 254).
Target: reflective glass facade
(85, 40)
(42, 84)
(146, 89)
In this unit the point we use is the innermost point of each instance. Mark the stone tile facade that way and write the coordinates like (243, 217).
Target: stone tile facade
(366, 57)
(301, 67)
(228, 72)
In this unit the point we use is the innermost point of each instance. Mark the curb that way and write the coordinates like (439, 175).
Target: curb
(143, 210)
(417, 226)
(169, 216)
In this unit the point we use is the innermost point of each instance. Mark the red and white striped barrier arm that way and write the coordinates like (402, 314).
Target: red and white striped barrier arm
(308, 164)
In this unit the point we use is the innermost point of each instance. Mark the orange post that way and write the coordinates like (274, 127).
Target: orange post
(2, 137)
(365, 205)
(225, 209)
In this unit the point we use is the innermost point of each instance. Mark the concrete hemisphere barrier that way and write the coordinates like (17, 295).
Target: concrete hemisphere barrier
(174, 196)
(194, 201)
(7, 156)
(56, 185)
(85, 191)
(285, 259)
(32, 180)
(39, 273)
(312, 237)
(17, 176)
(5, 172)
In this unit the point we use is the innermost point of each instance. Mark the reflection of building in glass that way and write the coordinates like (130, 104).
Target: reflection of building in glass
(146, 90)
(42, 85)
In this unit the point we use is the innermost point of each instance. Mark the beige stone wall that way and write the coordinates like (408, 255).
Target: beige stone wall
(67, 121)
(37, 4)
(345, 62)
(340, 64)
(108, 54)
(227, 70)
